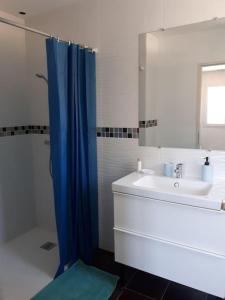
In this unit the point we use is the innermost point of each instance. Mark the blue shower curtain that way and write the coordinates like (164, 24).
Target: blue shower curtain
(72, 116)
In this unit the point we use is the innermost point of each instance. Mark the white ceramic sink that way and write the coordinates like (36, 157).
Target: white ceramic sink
(174, 185)
(191, 192)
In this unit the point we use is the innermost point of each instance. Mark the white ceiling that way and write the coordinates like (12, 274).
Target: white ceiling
(31, 7)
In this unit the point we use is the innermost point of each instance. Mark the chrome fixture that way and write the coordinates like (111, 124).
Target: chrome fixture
(21, 26)
(179, 170)
(176, 185)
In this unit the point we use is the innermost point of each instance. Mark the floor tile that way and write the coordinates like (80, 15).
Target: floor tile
(131, 295)
(177, 291)
(126, 273)
(149, 285)
(116, 294)
(113, 268)
(102, 258)
(121, 270)
(210, 297)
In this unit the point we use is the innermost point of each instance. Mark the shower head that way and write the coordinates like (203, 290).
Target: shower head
(41, 76)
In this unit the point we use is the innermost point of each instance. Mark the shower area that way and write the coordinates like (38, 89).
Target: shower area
(28, 240)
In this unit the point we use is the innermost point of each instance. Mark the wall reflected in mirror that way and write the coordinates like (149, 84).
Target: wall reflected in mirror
(182, 87)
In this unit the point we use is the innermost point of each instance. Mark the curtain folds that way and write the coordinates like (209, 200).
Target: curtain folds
(72, 116)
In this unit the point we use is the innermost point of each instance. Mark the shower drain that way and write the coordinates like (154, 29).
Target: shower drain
(48, 246)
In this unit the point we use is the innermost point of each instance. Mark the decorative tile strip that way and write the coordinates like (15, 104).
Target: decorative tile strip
(22, 130)
(106, 132)
(148, 123)
(37, 129)
(118, 132)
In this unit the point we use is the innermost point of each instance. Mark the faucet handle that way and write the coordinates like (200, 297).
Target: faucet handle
(179, 170)
(180, 165)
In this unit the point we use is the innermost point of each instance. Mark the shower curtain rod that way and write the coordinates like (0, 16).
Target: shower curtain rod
(12, 23)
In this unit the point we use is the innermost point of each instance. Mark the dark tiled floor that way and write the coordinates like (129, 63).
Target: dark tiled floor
(137, 285)
(213, 298)
(148, 285)
(129, 295)
(176, 292)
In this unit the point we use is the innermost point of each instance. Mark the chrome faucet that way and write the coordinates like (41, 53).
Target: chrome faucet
(179, 170)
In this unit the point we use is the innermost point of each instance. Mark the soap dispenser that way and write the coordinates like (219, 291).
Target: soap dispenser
(207, 171)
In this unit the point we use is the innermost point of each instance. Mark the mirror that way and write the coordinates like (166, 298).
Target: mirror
(182, 87)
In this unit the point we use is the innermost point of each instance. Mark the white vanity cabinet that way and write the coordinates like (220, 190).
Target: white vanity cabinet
(176, 241)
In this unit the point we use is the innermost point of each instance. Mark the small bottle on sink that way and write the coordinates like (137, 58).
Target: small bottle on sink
(207, 171)
(139, 165)
(168, 169)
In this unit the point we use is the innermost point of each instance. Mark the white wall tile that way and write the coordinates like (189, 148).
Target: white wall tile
(43, 187)
(17, 206)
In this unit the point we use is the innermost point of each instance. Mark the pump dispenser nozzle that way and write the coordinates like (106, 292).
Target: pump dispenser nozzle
(207, 161)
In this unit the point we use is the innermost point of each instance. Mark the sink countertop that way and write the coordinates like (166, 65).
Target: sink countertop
(162, 188)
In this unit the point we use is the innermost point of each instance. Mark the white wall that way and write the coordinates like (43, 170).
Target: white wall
(12, 74)
(114, 29)
(17, 212)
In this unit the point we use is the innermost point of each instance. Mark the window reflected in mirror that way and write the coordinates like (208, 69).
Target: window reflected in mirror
(212, 125)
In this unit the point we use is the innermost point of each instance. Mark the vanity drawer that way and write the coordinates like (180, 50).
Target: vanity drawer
(187, 266)
(182, 224)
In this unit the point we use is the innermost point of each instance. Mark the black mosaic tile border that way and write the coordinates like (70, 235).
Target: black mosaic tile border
(39, 129)
(22, 130)
(118, 132)
(148, 123)
(106, 132)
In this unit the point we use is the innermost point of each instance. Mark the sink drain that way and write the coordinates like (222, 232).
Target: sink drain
(176, 185)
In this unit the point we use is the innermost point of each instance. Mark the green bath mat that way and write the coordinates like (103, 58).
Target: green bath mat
(80, 282)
